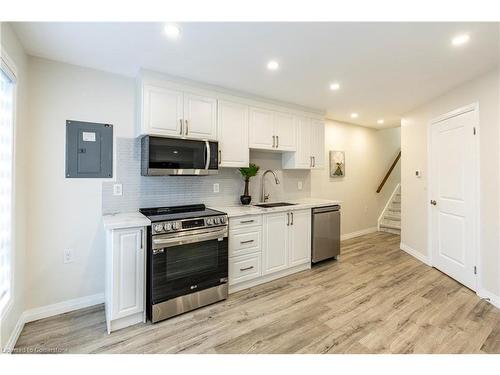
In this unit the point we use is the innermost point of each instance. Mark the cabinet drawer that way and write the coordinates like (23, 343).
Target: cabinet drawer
(245, 221)
(245, 241)
(244, 268)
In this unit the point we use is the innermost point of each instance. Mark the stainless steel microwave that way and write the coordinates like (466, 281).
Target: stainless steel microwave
(169, 157)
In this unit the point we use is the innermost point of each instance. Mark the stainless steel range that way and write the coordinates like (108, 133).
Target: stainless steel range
(187, 259)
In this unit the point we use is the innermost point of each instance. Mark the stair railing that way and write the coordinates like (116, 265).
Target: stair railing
(386, 177)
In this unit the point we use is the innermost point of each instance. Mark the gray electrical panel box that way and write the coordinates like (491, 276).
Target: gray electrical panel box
(89, 150)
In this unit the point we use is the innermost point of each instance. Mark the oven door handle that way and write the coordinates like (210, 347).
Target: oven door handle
(170, 242)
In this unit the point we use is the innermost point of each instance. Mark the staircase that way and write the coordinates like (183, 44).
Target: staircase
(390, 219)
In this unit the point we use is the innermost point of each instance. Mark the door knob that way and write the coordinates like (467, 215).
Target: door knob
(433, 202)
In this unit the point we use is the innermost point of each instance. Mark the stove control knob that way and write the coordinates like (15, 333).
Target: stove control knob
(210, 221)
(223, 219)
(158, 227)
(177, 225)
(167, 226)
(217, 220)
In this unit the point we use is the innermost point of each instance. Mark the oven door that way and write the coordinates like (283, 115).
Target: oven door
(183, 264)
(170, 156)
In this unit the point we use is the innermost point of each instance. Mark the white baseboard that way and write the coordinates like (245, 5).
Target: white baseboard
(63, 307)
(492, 298)
(48, 311)
(414, 253)
(358, 233)
(14, 336)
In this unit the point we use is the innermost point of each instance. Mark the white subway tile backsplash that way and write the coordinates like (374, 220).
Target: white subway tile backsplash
(139, 191)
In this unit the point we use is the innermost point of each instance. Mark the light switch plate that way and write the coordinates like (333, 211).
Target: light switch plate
(117, 189)
(216, 188)
(299, 185)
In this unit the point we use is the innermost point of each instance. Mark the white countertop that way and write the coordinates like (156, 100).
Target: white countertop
(125, 220)
(136, 219)
(299, 204)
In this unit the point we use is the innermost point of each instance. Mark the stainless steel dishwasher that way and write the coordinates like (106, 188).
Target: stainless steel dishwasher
(325, 233)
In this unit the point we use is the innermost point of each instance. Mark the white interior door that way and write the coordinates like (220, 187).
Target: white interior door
(452, 196)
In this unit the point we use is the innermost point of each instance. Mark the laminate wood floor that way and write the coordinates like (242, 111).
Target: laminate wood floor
(375, 299)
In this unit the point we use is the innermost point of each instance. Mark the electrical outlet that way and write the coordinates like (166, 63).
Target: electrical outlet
(299, 185)
(216, 188)
(68, 256)
(117, 189)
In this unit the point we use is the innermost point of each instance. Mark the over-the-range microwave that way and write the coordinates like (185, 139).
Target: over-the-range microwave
(170, 156)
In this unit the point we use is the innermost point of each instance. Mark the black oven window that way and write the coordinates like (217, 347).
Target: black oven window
(190, 260)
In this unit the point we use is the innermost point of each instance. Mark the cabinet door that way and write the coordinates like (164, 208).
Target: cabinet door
(285, 132)
(200, 117)
(233, 134)
(128, 272)
(300, 237)
(261, 129)
(304, 152)
(275, 242)
(318, 143)
(162, 111)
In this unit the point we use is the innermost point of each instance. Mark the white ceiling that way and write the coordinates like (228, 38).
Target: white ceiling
(385, 69)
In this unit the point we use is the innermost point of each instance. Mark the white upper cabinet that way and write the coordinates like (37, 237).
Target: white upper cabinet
(310, 145)
(285, 132)
(261, 129)
(233, 134)
(172, 112)
(271, 130)
(318, 144)
(162, 111)
(200, 116)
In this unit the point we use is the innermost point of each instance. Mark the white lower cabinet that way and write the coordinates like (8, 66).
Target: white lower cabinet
(265, 247)
(275, 242)
(125, 278)
(300, 237)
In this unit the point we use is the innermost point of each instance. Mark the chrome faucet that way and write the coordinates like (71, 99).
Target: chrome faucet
(264, 197)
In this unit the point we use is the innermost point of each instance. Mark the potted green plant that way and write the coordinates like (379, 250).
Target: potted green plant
(247, 173)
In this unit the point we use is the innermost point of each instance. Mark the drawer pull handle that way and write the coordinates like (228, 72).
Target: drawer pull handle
(246, 221)
(247, 241)
(246, 268)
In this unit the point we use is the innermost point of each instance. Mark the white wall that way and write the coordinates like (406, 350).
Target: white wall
(368, 155)
(485, 91)
(16, 53)
(66, 213)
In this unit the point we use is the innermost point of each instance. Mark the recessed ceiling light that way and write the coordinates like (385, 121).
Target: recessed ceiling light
(273, 65)
(334, 86)
(354, 115)
(460, 40)
(172, 31)
(381, 121)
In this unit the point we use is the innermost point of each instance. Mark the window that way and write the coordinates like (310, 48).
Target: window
(7, 96)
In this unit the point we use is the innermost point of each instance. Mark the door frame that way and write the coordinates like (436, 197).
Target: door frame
(475, 175)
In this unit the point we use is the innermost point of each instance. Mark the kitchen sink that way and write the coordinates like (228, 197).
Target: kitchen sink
(277, 204)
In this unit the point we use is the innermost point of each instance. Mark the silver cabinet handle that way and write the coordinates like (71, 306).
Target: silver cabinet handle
(287, 218)
(180, 120)
(277, 141)
(247, 241)
(310, 161)
(187, 127)
(246, 221)
(291, 214)
(246, 268)
(314, 161)
(274, 141)
(220, 157)
(142, 239)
